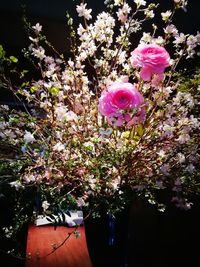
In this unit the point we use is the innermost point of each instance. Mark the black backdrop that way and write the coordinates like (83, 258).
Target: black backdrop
(51, 14)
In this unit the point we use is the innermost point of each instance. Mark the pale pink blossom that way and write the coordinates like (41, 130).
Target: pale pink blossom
(171, 29)
(151, 58)
(122, 103)
(37, 28)
(182, 203)
(179, 39)
(123, 13)
(157, 78)
(80, 202)
(165, 169)
(183, 138)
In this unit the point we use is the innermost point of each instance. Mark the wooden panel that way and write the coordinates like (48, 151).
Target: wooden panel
(42, 239)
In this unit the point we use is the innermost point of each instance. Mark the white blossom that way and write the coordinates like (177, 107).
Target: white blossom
(83, 11)
(149, 14)
(105, 132)
(8, 231)
(146, 38)
(71, 116)
(181, 158)
(28, 137)
(59, 147)
(166, 15)
(38, 52)
(161, 153)
(118, 2)
(45, 205)
(17, 184)
(60, 112)
(140, 3)
(30, 178)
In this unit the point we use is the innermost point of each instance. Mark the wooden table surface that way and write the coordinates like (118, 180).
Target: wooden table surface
(42, 242)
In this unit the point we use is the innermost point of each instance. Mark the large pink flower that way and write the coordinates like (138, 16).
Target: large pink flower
(122, 103)
(151, 58)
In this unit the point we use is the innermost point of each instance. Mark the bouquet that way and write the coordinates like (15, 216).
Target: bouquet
(113, 120)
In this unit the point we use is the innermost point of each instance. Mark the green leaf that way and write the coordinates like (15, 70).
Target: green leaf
(33, 89)
(22, 74)
(126, 134)
(13, 59)
(54, 90)
(2, 52)
(140, 130)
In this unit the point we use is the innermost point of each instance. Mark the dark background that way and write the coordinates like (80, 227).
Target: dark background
(52, 15)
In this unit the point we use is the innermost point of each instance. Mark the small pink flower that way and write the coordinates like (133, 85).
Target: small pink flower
(151, 58)
(122, 103)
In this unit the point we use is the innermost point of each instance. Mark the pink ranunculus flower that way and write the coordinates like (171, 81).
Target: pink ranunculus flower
(122, 104)
(151, 58)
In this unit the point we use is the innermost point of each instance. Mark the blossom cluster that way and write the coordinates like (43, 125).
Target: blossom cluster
(109, 121)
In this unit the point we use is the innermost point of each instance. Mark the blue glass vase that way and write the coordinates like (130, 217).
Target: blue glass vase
(107, 239)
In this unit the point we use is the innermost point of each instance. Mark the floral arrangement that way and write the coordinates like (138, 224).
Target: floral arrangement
(110, 122)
